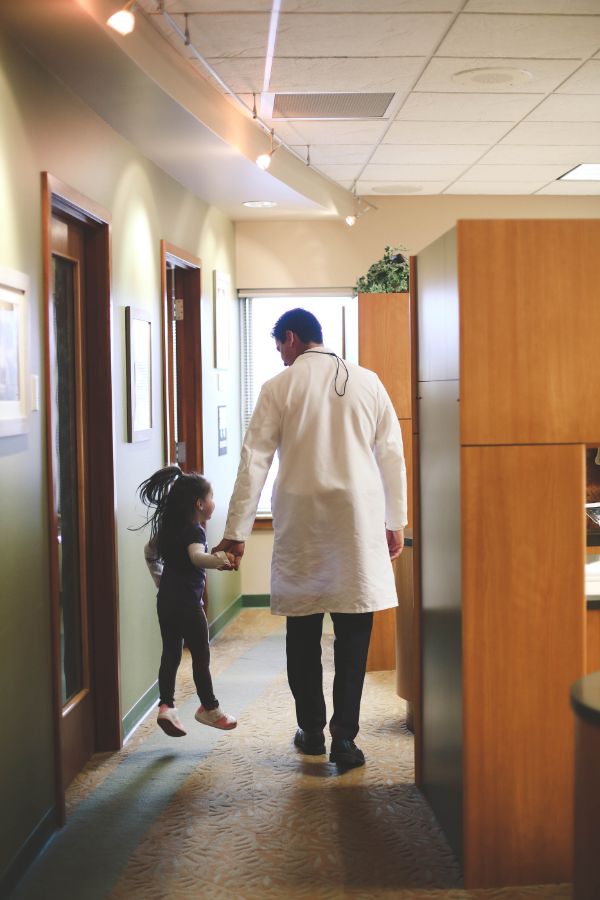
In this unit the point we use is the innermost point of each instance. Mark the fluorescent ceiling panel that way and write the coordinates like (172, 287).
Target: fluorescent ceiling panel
(583, 172)
(415, 189)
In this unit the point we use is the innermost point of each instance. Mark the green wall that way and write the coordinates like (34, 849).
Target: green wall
(44, 127)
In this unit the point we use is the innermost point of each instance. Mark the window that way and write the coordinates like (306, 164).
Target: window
(338, 316)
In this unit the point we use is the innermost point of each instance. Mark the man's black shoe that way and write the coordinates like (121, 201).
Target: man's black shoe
(345, 754)
(310, 742)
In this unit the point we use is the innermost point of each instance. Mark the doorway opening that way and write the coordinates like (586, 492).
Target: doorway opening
(81, 482)
(182, 358)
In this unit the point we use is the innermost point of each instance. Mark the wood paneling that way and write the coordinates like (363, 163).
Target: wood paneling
(405, 653)
(586, 880)
(523, 647)
(530, 317)
(382, 649)
(592, 640)
(384, 344)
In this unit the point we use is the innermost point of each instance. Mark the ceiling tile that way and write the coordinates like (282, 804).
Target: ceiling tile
(380, 188)
(558, 133)
(445, 132)
(579, 188)
(530, 173)
(584, 81)
(563, 37)
(330, 132)
(241, 75)
(574, 7)
(467, 107)
(214, 6)
(333, 154)
(547, 74)
(340, 172)
(370, 6)
(567, 108)
(447, 154)
(362, 34)
(494, 187)
(505, 154)
(225, 36)
(324, 74)
(411, 173)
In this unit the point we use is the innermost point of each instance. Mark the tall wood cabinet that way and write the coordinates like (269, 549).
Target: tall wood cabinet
(507, 385)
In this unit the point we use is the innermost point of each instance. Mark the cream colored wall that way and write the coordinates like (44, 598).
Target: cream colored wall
(43, 127)
(256, 564)
(296, 254)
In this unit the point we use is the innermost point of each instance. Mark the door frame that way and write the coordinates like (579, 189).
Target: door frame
(192, 267)
(58, 197)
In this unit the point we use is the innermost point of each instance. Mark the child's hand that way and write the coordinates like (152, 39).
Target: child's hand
(228, 561)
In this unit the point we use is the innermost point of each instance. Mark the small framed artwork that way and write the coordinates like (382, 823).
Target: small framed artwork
(13, 352)
(221, 292)
(138, 343)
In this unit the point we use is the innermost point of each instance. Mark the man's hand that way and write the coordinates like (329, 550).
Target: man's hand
(395, 542)
(234, 549)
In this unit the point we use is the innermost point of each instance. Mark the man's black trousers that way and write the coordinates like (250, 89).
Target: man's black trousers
(305, 672)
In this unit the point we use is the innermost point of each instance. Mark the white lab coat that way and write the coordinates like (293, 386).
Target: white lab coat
(341, 480)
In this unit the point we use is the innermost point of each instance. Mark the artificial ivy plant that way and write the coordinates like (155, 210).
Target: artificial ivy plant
(387, 276)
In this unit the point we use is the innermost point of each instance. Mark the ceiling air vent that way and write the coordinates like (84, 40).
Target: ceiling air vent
(330, 106)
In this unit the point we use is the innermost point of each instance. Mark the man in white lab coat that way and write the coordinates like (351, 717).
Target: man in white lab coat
(339, 511)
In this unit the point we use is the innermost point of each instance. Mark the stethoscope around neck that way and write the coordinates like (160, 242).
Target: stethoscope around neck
(339, 361)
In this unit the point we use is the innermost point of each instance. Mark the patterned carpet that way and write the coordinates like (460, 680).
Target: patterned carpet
(244, 815)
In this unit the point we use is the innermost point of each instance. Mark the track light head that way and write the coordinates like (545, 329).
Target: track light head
(122, 21)
(350, 221)
(263, 161)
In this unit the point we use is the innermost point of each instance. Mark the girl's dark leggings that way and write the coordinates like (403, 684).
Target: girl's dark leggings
(189, 624)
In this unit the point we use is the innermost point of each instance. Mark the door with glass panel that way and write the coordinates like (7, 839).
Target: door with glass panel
(69, 453)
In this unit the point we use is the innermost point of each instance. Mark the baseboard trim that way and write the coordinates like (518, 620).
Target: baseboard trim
(139, 711)
(223, 619)
(256, 600)
(43, 832)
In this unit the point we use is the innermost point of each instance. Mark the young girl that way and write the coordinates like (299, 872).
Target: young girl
(177, 557)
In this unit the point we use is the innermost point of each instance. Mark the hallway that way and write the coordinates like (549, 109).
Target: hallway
(243, 815)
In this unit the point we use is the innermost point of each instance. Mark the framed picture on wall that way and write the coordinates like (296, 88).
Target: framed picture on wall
(221, 295)
(13, 352)
(138, 344)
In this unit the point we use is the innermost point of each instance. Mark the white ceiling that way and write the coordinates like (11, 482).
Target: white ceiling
(439, 134)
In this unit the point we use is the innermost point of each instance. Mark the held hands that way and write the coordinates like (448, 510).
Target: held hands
(395, 542)
(233, 549)
(228, 561)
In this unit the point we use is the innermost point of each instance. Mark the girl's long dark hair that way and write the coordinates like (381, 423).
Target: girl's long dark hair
(173, 496)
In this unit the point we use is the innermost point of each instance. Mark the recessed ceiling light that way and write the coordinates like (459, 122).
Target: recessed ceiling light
(260, 204)
(493, 75)
(584, 172)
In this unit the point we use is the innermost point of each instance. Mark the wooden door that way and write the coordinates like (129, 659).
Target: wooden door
(81, 470)
(69, 450)
(183, 359)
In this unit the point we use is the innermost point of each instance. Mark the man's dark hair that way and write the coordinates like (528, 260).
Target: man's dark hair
(301, 322)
